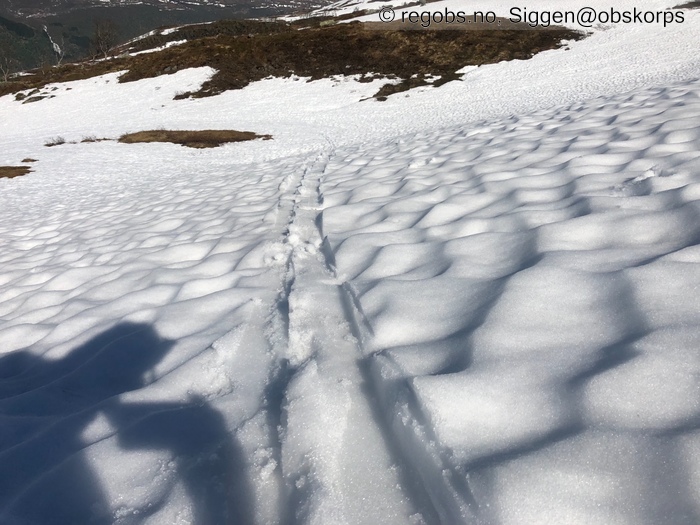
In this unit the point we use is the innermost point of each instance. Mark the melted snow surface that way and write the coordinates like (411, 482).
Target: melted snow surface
(529, 292)
(472, 304)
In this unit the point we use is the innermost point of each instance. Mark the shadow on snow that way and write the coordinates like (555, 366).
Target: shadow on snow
(47, 472)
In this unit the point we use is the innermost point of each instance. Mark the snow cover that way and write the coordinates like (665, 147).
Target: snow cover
(159, 48)
(469, 304)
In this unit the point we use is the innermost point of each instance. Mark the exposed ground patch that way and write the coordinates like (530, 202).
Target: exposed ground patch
(351, 49)
(243, 53)
(8, 172)
(208, 138)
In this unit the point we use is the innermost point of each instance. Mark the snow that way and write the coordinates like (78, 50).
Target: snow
(159, 48)
(469, 304)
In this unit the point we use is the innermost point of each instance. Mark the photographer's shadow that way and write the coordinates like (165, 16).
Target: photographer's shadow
(47, 406)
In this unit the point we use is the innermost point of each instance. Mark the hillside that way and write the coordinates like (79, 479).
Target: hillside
(72, 23)
(245, 51)
(238, 295)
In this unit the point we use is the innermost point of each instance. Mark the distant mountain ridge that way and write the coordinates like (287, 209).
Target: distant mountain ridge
(71, 23)
(41, 8)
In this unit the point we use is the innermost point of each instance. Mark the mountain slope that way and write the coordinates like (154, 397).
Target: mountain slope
(38, 8)
(71, 24)
(471, 303)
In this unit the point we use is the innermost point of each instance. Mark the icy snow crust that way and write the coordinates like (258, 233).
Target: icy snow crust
(474, 304)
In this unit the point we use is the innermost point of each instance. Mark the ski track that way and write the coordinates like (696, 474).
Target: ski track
(330, 466)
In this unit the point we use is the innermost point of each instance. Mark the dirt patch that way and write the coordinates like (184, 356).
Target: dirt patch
(242, 53)
(354, 48)
(208, 138)
(8, 172)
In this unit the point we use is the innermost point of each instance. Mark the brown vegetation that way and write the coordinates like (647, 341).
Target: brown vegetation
(215, 29)
(208, 138)
(8, 172)
(350, 49)
(243, 52)
(55, 141)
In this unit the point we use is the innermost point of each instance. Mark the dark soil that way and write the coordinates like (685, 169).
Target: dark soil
(209, 138)
(8, 172)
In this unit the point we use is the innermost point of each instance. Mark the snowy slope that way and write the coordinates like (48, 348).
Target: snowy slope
(471, 304)
(529, 296)
(302, 117)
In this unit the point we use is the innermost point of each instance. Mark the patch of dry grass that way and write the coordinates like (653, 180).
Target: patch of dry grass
(208, 138)
(347, 49)
(55, 141)
(8, 172)
(244, 53)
